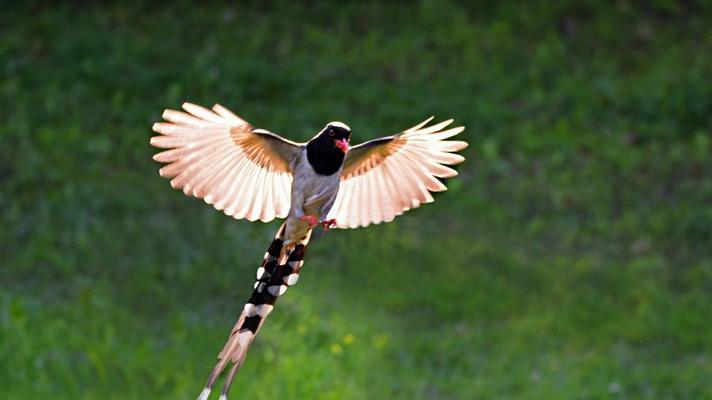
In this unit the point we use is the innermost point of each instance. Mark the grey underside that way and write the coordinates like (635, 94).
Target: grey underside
(312, 194)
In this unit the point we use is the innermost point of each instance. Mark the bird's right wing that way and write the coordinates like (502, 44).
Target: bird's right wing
(217, 156)
(385, 177)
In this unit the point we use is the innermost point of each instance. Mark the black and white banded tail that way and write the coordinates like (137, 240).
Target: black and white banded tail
(278, 272)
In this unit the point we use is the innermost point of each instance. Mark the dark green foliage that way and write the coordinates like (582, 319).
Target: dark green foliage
(572, 258)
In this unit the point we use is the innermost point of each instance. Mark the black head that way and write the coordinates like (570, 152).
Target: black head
(326, 151)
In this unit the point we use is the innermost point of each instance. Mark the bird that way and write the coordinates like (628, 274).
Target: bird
(254, 174)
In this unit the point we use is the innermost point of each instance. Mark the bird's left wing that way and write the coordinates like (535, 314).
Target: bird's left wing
(385, 177)
(217, 156)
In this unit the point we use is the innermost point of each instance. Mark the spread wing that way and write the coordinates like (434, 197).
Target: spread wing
(385, 177)
(217, 156)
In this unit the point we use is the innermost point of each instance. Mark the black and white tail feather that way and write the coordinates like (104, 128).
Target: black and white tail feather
(279, 270)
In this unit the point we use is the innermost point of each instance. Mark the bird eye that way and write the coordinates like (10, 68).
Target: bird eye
(331, 132)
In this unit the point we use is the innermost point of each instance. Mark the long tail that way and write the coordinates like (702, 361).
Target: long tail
(279, 270)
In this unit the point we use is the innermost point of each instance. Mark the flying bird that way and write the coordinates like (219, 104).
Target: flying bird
(250, 173)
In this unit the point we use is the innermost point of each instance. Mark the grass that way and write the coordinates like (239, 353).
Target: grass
(570, 260)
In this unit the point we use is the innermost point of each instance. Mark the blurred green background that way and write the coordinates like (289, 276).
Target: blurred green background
(572, 258)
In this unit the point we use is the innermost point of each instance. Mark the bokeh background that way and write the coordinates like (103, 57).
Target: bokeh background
(571, 259)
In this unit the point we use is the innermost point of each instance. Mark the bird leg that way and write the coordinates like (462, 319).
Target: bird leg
(312, 220)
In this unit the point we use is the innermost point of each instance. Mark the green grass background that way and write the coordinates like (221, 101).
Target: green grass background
(571, 259)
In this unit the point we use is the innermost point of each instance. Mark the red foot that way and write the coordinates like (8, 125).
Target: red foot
(311, 220)
(328, 224)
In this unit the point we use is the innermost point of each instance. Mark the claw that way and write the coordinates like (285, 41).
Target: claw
(311, 220)
(328, 224)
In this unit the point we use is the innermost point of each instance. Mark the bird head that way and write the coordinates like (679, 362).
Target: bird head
(327, 150)
(339, 133)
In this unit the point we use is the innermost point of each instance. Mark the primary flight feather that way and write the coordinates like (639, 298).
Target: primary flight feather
(255, 174)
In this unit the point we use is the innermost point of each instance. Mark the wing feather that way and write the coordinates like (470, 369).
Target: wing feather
(402, 201)
(408, 184)
(284, 189)
(373, 211)
(422, 178)
(385, 177)
(255, 211)
(268, 211)
(204, 170)
(339, 203)
(215, 155)
(357, 188)
(219, 180)
(395, 204)
(281, 195)
(225, 193)
(209, 187)
(180, 118)
(229, 115)
(420, 125)
(384, 199)
(244, 192)
(376, 212)
(203, 113)
(340, 209)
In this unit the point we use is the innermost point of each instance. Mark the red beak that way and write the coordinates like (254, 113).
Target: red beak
(342, 144)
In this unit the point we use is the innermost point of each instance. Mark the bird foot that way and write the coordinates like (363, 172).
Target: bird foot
(311, 220)
(328, 224)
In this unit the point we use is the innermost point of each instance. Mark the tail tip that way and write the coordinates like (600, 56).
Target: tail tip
(204, 394)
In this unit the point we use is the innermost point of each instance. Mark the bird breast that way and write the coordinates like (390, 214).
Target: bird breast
(311, 190)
